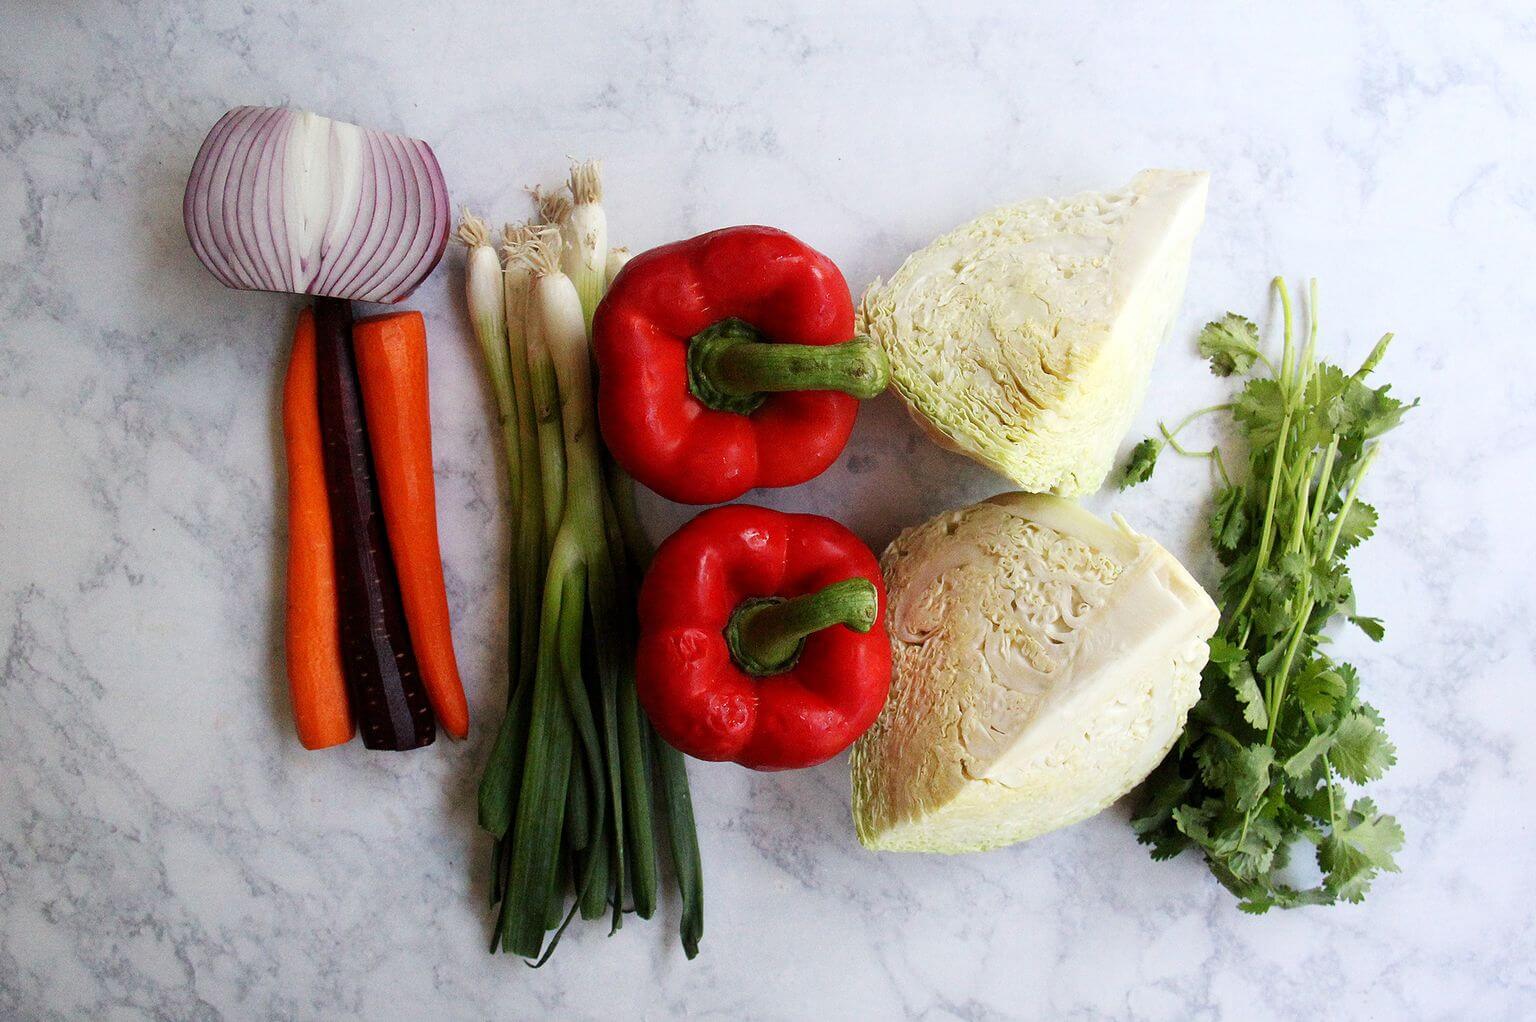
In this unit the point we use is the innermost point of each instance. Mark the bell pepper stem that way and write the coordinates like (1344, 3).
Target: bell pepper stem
(766, 636)
(731, 368)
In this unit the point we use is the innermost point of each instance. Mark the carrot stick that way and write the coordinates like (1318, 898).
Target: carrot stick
(315, 677)
(392, 366)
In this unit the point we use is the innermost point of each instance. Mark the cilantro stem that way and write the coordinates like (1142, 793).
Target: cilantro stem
(1325, 477)
(1309, 356)
(1283, 678)
(1302, 619)
(1288, 351)
(1191, 417)
(1211, 454)
(1349, 499)
(1333, 809)
(1267, 533)
(1221, 466)
(1303, 484)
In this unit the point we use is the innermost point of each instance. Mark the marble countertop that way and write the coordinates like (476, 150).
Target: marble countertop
(168, 852)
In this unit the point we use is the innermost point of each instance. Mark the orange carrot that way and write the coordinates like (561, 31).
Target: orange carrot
(314, 640)
(392, 367)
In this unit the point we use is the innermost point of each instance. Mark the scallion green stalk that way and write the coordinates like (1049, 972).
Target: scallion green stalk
(541, 803)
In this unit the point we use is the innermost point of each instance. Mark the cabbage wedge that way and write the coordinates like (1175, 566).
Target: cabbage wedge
(1024, 338)
(1045, 661)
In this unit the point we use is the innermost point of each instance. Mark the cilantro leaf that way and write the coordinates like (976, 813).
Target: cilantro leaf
(1231, 343)
(1248, 693)
(1223, 652)
(1154, 825)
(1259, 409)
(1309, 755)
(1229, 521)
(1373, 627)
(1269, 663)
(1319, 689)
(1363, 843)
(1250, 775)
(1194, 821)
(1373, 412)
(1356, 525)
(1255, 848)
(1138, 469)
(1360, 750)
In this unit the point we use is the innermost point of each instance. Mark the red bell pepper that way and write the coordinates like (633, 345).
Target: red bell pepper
(762, 638)
(724, 364)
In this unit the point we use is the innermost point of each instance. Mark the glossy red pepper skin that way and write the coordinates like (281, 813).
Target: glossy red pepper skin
(663, 435)
(699, 699)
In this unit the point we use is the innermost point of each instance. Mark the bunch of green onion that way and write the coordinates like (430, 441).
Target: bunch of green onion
(577, 785)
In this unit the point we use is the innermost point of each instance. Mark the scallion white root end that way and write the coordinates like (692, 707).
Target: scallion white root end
(617, 257)
(540, 254)
(554, 206)
(472, 231)
(586, 234)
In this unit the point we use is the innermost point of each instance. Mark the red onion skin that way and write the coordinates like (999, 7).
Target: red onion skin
(435, 200)
(441, 218)
(432, 201)
(194, 205)
(415, 227)
(395, 223)
(221, 193)
(241, 224)
(273, 144)
(202, 186)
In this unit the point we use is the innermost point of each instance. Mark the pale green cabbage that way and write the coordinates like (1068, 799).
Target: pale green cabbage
(1025, 337)
(1044, 663)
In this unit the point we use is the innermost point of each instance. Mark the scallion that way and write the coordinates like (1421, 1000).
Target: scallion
(577, 781)
(585, 259)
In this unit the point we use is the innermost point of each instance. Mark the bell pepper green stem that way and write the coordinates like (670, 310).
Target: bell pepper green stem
(766, 635)
(731, 368)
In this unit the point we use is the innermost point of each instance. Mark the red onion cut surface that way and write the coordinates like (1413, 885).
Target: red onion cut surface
(286, 200)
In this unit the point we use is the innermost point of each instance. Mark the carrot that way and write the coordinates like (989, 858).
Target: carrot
(392, 366)
(384, 682)
(315, 676)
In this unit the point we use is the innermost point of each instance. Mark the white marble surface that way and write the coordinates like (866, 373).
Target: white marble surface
(166, 849)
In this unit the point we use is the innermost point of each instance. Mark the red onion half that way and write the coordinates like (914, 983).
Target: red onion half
(286, 200)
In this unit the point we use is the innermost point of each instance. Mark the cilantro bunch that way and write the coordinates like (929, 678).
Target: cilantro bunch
(1280, 728)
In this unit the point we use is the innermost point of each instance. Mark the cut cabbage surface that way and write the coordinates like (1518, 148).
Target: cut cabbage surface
(1025, 337)
(1045, 661)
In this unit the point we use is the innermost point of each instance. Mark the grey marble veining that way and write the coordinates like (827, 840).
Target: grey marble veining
(166, 849)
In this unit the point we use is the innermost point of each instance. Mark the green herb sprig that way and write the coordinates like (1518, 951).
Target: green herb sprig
(1280, 727)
